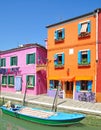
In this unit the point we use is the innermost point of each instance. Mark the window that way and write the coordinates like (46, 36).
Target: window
(30, 81)
(84, 57)
(59, 34)
(11, 80)
(13, 60)
(2, 62)
(54, 84)
(84, 29)
(30, 58)
(4, 80)
(83, 85)
(59, 60)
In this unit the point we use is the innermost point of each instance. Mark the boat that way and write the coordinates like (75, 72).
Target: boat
(45, 117)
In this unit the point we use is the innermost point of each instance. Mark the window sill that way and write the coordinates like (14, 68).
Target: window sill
(13, 65)
(59, 66)
(29, 86)
(83, 91)
(10, 85)
(59, 40)
(83, 64)
(4, 84)
(83, 35)
(30, 63)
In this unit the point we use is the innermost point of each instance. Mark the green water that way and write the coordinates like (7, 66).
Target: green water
(12, 123)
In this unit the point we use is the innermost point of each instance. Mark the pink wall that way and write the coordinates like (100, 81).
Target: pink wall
(25, 69)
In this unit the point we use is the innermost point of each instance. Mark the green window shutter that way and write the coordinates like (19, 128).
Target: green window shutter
(8, 80)
(13, 80)
(89, 86)
(79, 57)
(11, 61)
(33, 80)
(32, 58)
(89, 27)
(63, 59)
(27, 79)
(5, 80)
(16, 60)
(79, 28)
(78, 86)
(2, 79)
(4, 62)
(27, 59)
(30, 79)
(56, 35)
(63, 33)
(55, 59)
(88, 57)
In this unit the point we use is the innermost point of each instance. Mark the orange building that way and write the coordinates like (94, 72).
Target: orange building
(73, 57)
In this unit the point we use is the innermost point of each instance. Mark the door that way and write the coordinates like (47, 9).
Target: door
(18, 83)
(69, 89)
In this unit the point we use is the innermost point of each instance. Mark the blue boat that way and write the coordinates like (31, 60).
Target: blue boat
(44, 117)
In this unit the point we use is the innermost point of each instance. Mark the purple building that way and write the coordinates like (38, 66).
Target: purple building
(23, 67)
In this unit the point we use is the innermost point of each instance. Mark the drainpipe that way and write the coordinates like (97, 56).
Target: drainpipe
(97, 11)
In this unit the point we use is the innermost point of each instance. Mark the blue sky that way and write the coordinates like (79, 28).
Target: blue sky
(25, 21)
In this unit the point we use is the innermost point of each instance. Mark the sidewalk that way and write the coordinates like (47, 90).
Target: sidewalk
(63, 104)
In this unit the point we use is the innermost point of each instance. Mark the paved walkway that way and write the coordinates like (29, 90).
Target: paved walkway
(63, 104)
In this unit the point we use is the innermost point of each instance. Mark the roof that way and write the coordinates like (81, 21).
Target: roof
(23, 47)
(72, 19)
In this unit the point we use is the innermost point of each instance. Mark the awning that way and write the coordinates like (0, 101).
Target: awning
(68, 78)
(84, 78)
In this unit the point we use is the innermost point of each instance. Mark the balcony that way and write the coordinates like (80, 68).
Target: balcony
(41, 67)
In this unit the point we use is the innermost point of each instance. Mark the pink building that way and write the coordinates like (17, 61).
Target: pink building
(24, 67)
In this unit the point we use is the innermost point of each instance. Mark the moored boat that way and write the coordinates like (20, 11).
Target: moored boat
(44, 117)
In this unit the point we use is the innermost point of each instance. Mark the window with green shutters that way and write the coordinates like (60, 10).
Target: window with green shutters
(30, 81)
(11, 80)
(30, 58)
(84, 85)
(13, 61)
(59, 60)
(2, 62)
(84, 57)
(84, 28)
(59, 34)
(4, 80)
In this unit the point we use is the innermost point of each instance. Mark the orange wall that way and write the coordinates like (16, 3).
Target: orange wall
(72, 41)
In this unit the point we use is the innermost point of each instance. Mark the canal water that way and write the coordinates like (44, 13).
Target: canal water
(12, 123)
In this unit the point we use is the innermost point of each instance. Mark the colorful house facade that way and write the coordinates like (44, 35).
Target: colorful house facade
(24, 67)
(74, 57)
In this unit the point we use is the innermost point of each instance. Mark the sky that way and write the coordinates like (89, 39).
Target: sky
(25, 21)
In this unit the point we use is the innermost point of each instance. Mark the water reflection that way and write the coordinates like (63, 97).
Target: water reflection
(12, 123)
